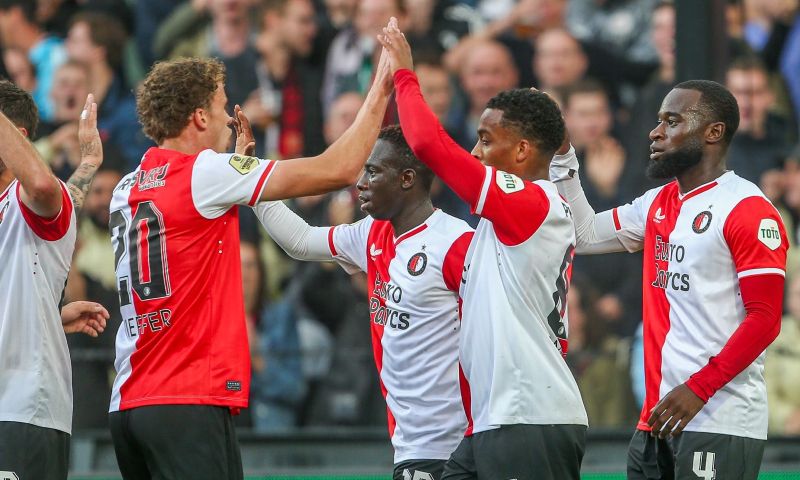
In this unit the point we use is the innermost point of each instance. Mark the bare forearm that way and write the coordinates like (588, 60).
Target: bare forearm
(80, 182)
(40, 189)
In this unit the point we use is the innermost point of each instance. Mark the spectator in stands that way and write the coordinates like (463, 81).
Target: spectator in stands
(18, 29)
(487, 71)
(214, 28)
(340, 13)
(285, 109)
(98, 40)
(19, 69)
(354, 51)
(341, 115)
(763, 138)
(278, 388)
(559, 60)
(92, 278)
(782, 368)
(609, 180)
(598, 359)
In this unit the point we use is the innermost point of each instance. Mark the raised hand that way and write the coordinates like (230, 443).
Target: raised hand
(245, 141)
(88, 137)
(396, 45)
(84, 317)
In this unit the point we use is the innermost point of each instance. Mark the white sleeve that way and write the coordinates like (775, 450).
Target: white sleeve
(594, 233)
(296, 237)
(222, 180)
(349, 244)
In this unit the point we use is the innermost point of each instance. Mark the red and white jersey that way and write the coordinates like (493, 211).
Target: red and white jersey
(176, 237)
(413, 304)
(35, 371)
(514, 324)
(696, 248)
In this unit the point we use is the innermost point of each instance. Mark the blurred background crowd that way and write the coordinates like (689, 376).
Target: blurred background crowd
(299, 69)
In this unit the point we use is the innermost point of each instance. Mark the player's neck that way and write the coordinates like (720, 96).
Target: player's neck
(704, 172)
(414, 214)
(5, 179)
(187, 143)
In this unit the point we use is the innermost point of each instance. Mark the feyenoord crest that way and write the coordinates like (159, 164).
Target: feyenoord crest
(417, 264)
(701, 222)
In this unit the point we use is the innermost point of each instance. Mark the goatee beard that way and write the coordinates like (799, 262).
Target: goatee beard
(673, 164)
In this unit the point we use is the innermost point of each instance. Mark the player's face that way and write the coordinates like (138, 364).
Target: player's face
(218, 120)
(380, 186)
(678, 138)
(497, 145)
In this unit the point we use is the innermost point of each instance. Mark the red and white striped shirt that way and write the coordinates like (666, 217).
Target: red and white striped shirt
(176, 236)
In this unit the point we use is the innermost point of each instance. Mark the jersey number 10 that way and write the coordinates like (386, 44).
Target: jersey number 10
(143, 239)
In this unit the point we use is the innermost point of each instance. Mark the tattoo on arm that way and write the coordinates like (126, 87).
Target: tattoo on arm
(79, 183)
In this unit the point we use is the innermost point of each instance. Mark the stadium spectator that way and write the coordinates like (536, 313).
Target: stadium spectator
(609, 179)
(187, 287)
(19, 29)
(220, 29)
(763, 139)
(598, 359)
(98, 40)
(559, 60)
(712, 303)
(412, 314)
(520, 391)
(487, 71)
(782, 367)
(37, 231)
(285, 110)
(354, 51)
(19, 68)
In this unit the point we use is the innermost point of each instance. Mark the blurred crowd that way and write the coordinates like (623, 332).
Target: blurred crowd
(300, 68)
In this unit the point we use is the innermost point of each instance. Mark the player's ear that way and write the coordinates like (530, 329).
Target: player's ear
(524, 150)
(199, 119)
(715, 132)
(407, 178)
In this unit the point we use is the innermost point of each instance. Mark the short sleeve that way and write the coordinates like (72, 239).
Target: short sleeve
(515, 207)
(756, 237)
(49, 229)
(222, 180)
(348, 244)
(629, 223)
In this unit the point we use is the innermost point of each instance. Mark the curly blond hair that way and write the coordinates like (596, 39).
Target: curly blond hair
(172, 91)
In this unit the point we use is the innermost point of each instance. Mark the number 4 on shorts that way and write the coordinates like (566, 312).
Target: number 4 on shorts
(418, 475)
(8, 476)
(704, 470)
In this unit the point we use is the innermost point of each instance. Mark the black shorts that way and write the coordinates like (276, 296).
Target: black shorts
(176, 442)
(418, 470)
(541, 452)
(694, 455)
(28, 451)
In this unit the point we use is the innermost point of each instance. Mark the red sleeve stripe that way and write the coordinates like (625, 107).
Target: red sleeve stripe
(50, 229)
(616, 220)
(262, 182)
(331, 245)
(487, 179)
(762, 271)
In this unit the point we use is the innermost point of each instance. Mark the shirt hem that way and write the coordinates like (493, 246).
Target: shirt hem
(61, 427)
(423, 455)
(215, 401)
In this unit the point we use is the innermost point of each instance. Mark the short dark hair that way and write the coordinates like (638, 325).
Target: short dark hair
(716, 104)
(404, 157)
(748, 63)
(19, 107)
(172, 91)
(586, 85)
(107, 32)
(28, 8)
(533, 115)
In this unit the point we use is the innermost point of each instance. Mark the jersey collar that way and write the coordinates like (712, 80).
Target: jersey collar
(7, 190)
(419, 228)
(704, 187)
